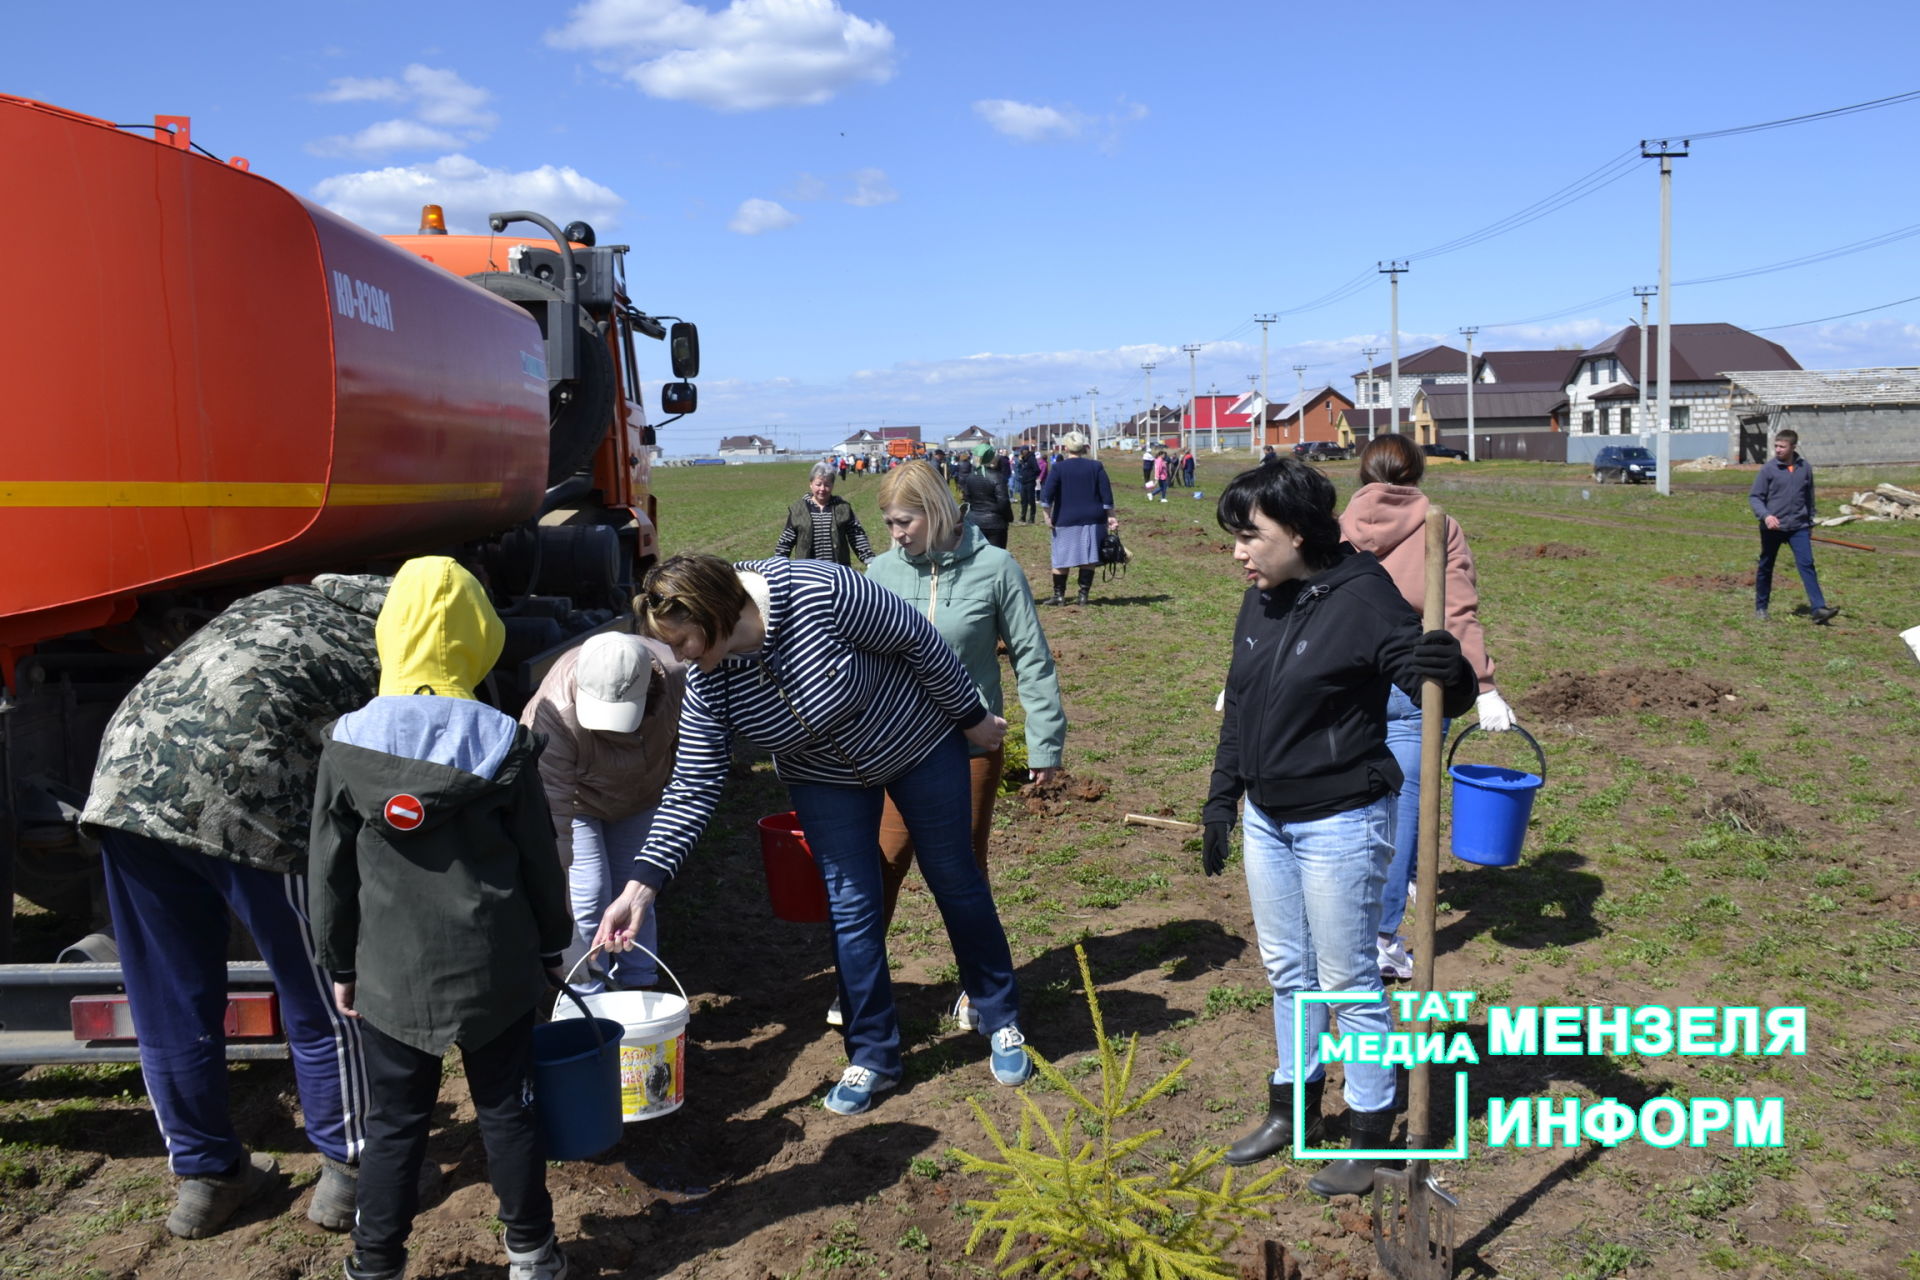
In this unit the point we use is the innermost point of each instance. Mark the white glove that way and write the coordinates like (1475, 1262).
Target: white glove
(1495, 715)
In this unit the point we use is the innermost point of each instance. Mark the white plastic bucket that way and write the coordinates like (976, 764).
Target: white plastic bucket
(653, 1051)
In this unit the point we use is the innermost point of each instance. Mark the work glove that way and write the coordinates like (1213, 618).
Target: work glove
(1436, 656)
(1213, 847)
(1495, 715)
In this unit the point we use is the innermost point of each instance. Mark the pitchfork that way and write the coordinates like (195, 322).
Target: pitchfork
(1413, 1218)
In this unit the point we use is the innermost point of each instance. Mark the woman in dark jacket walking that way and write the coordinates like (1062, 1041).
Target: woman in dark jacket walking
(1078, 498)
(983, 493)
(1322, 636)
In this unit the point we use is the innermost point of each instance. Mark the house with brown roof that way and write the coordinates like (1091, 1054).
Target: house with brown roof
(1510, 420)
(1604, 390)
(1427, 367)
(746, 446)
(1551, 368)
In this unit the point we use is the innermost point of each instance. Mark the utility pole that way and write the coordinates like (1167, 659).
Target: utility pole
(1469, 331)
(1193, 394)
(1393, 271)
(1642, 292)
(1153, 418)
(1663, 410)
(1093, 417)
(1373, 386)
(1300, 381)
(1213, 413)
(1260, 436)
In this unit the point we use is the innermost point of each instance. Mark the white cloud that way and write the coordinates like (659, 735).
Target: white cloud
(1027, 122)
(870, 187)
(446, 112)
(388, 200)
(1032, 122)
(807, 187)
(362, 89)
(756, 216)
(387, 135)
(749, 56)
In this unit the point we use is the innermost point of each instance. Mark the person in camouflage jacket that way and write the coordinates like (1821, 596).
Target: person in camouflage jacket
(202, 800)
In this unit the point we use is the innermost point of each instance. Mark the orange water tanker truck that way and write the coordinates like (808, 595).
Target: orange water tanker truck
(218, 386)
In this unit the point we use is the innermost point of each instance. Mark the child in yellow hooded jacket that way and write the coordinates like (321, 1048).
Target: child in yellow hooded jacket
(437, 899)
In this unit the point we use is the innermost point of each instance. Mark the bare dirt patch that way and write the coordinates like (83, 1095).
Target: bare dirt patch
(1579, 695)
(1063, 793)
(1745, 811)
(1549, 551)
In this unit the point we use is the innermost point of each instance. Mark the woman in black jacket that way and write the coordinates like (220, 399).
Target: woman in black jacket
(1322, 635)
(983, 495)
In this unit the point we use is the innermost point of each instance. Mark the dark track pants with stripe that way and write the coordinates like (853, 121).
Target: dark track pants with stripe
(406, 1083)
(169, 909)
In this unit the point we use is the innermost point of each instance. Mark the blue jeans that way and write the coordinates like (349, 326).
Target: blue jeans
(598, 847)
(1315, 889)
(842, 826)
(169, 907)
(1801, 541)
(1403, 739)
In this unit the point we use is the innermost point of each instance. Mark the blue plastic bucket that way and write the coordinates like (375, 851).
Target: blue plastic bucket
(1491, 805)
(576, 1084)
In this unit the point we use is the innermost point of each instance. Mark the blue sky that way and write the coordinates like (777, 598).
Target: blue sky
(883, 212)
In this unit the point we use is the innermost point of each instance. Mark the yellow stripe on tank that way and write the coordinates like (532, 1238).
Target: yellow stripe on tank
(163, 494)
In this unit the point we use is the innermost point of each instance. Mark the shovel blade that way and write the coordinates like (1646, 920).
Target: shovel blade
(1413, 1223)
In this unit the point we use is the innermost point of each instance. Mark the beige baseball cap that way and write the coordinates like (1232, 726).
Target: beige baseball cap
(610, 683)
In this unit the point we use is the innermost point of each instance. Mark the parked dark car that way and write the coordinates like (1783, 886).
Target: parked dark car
(1623, 464)
(1442, 451)
(1320, 450)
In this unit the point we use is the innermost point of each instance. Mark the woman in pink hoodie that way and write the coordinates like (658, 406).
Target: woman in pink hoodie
(1387, 516)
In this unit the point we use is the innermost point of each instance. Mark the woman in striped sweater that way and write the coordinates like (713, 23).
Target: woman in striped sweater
(858, 699)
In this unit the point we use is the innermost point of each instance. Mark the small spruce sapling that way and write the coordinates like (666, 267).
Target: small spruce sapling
(1100, 1209)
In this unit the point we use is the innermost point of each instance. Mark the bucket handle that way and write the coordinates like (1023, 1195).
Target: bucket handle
(599, 947)
(600, 1039)
(1538, 753)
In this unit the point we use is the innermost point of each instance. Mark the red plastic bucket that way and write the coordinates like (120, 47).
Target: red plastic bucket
(794, 885)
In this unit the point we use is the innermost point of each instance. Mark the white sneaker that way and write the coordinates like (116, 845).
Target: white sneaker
(835, 1018)
(965, 1014)
(1395, 960)
(544, 1263)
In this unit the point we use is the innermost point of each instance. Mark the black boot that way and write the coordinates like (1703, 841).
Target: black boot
(1059, 589)
(1086, 584)
(1083, 597)
(1366, 1130)
(1275, 1134)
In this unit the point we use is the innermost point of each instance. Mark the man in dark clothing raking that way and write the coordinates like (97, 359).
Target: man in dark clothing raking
(1782, 501)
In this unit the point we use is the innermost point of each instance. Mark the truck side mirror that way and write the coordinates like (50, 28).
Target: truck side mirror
(684, 342)
(678, 398)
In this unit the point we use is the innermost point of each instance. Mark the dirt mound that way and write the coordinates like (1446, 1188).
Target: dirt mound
(1746, 811)
(1549, 551)
(1575, 695)
(1065, 791)
(1709, 581)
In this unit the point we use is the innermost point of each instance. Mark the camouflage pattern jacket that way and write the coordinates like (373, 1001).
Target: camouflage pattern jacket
(217, 749)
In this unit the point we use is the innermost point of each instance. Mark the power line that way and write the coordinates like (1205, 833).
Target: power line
(1828, 114)
(1842, 316)
(1579, 189)
(1823, 255)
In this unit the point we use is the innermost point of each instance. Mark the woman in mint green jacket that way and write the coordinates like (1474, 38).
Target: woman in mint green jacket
(976, 596)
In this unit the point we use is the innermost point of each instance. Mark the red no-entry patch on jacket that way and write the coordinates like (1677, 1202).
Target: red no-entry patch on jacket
(405, 812)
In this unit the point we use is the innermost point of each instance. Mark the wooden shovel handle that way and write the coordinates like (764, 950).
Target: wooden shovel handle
(1432, 739)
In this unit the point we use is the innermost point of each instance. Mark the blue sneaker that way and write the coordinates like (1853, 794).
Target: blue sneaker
(854, 1093)
(1011, 1065)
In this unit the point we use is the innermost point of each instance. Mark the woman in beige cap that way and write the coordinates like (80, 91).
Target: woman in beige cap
(610, 710)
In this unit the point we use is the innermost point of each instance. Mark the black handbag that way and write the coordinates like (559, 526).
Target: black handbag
(1113, 554)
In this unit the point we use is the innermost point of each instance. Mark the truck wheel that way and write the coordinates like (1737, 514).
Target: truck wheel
(577, 411)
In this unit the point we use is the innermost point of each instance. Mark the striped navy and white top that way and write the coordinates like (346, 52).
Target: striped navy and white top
(852, 688)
